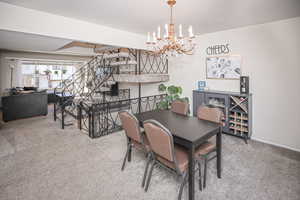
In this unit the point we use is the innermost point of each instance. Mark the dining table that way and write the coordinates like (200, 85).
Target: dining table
(188, 132)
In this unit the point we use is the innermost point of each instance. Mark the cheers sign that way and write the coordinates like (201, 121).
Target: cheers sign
(218, 49)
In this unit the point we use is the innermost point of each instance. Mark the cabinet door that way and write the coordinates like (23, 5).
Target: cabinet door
(198, 99)
(220, 101)
(217, 100)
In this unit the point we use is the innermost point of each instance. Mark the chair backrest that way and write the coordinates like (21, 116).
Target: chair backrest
(160, 139)
(131, 126)
(210, 114)
(180, 107)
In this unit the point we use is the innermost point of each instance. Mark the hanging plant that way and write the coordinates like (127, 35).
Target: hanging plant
(64, 71)
(173, 93)
(56, 72)
(47, 72)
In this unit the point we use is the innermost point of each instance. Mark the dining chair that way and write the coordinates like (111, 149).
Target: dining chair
(214, 115)
(180, 107)
(165, 153)
(135, 138)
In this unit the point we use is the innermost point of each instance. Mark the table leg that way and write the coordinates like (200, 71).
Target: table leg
(191, 173)
(129, 151)
(219, 153)
(90, 125)
(62, 117)
(79, 117)
(54, 109)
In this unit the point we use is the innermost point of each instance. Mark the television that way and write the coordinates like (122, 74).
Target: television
(114, 89)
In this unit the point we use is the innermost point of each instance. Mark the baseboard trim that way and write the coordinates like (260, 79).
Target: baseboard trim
(275, 144)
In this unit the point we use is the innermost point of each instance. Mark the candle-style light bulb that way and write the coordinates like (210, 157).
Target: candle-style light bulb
(158, 32)
(191, 34)
(180, 31)
(154, 37)
(148, 38)
(167, 30)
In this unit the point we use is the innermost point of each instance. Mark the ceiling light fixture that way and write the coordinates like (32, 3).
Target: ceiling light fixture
(171, 43)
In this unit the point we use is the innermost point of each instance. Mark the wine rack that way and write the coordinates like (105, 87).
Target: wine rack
(238, 124)
(238, 116)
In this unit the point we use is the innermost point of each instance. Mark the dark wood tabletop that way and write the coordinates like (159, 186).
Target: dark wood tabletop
(186, 128)
(189, 132)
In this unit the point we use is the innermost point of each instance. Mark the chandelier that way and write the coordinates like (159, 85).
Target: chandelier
(171, 43)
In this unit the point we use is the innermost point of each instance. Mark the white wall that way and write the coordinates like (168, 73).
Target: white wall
(147, 89)
(271, 57)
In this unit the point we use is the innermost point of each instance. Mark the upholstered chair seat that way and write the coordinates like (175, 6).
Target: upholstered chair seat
(135, 138)
(205, 148)
(180, 107)
(211, 114)
(141, 146)
(214, 115)
(182, 156)
(166, 153)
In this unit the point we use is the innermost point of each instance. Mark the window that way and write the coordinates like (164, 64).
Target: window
(45, 76)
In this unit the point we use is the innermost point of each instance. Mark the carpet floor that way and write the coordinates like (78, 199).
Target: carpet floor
(40, 161)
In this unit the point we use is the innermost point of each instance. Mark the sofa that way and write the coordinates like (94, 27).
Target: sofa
(24, 105)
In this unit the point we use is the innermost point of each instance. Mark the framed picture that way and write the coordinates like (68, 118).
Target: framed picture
(223, 67)
(201, 85)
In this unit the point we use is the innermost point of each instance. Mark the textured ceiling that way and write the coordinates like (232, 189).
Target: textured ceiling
(142, 16)
(23, 41)
(35, 43)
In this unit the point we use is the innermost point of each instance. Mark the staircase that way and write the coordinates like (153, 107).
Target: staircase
(90, 85)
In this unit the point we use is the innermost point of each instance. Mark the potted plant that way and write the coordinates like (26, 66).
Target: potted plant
(56, 72)
(173, 93)
(47, 72)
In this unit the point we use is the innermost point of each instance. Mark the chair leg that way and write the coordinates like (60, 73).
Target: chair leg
(149, 176)
(205, 171)
(125, 158)
(200, 176)
(182, 185)
(146, 170)
(129, 153)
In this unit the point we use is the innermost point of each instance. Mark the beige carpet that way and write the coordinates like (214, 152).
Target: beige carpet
(40, 161)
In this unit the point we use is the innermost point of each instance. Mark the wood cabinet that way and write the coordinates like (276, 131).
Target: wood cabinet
(236, 107)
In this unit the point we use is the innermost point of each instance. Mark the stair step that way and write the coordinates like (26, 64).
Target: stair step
(129, 62)
(142, 78)
(104, 89)
(116, 55)
(110, 82)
